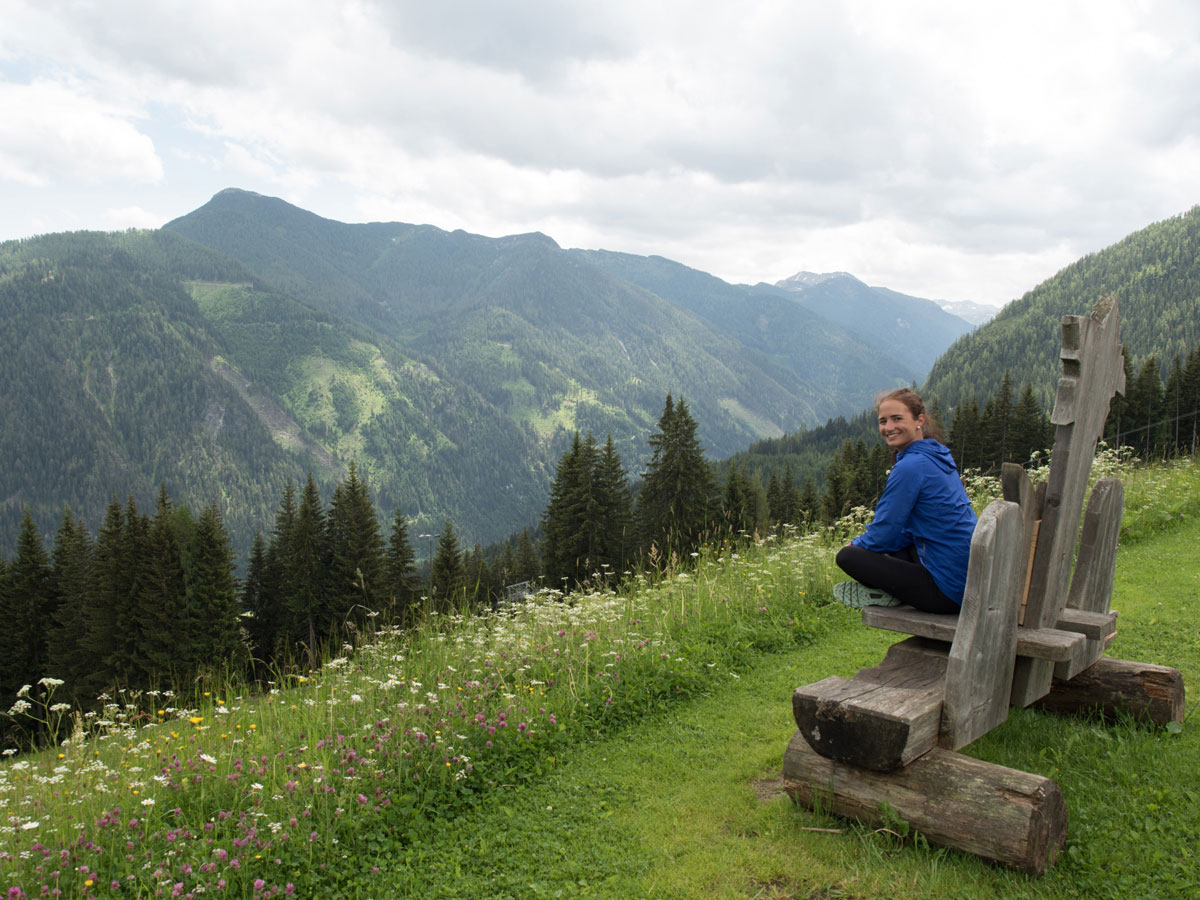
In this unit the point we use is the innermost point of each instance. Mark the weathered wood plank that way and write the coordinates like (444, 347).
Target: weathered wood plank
(980, 668)
(1002, 814)
(1097, 628)
(1142, 690)
(1092, 625)
(1096, 561)
(884, 717)
(1048, 644)
(1017, 488)
(1092, 372)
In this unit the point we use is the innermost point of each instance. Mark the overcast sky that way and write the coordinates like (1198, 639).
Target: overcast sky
(952, 150)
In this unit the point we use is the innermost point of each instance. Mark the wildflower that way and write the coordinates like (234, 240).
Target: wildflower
(149, 801)
(195, 720)
(51, 682)
(29, 826)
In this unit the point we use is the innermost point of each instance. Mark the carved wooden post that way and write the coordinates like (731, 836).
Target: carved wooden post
(1093, 370)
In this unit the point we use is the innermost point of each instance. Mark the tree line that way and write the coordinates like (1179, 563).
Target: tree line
(153, 601)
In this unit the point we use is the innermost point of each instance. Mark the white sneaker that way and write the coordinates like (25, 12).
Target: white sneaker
(856, 595)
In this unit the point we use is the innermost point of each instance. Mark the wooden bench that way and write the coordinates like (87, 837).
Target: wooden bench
(1029, 631)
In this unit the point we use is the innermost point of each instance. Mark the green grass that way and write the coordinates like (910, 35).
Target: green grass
(686, 805)
(654, 724)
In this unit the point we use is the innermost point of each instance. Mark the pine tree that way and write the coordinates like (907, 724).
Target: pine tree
(775, 502)
(212, 598)
(103, 654)
(1031, 427)
(447, 575)
(529, 566)
(304, 574)
(401, 585)
(677, 504)
(839, 482)
(477, 577)
(271, 627)
(571, 523)
(356, 551)
(1190, 430)
(996, 426)
(617, 533)
(808, 504)
(507, 567)
(71, 565)
(260, 630)
(966, 436)
(167, 650)
(26, 608)
(1144, 411)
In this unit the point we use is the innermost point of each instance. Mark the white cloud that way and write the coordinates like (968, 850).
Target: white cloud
(50, 134)
(132, 217)
(945, 149)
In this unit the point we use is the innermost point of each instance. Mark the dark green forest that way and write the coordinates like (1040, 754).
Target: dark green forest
(1155, 276)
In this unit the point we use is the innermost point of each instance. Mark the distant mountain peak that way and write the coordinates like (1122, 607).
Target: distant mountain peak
(804, 280)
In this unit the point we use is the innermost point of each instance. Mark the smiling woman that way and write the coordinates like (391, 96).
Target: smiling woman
(915, 550)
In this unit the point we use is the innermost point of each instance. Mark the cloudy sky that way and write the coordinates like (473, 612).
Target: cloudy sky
(961, 151)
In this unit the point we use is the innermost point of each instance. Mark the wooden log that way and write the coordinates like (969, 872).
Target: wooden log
(1147, 692)
(979, 671)
(1001, 814)
(884, 716)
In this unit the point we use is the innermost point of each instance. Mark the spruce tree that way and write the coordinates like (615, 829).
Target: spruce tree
(506, 566)
(677, 505)
(401, 586)
(26, 609)
(529, 566)
(102, 652)
(775, 502)
(1031, 427)
(477, 577)
(253, 600)
(447, 575)
(212, 597)
(356, 551)
(71, 565)
(305, 569)
(167, 650)
(617, 533)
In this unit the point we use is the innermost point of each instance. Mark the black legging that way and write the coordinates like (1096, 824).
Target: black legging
(900, 574)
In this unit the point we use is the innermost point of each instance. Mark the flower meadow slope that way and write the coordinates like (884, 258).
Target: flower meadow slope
(309, 789)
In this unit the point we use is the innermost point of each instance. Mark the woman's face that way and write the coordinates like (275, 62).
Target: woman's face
(897, 425)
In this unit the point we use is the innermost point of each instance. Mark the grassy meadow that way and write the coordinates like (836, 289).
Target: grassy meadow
(623, 742)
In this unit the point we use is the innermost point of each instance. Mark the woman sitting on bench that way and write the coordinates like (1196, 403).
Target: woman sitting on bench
(916, 549)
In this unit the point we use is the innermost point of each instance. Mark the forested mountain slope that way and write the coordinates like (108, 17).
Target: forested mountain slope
(829, 360)
(1154, 274)
(251, 341)
(913, 330)
(108, 387)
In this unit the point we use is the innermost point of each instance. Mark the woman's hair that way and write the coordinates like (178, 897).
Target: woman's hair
(916, 406)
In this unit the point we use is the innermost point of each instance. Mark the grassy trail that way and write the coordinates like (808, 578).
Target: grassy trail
(686, 806)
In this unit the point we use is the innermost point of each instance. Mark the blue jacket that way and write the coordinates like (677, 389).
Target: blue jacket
(924, 504)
